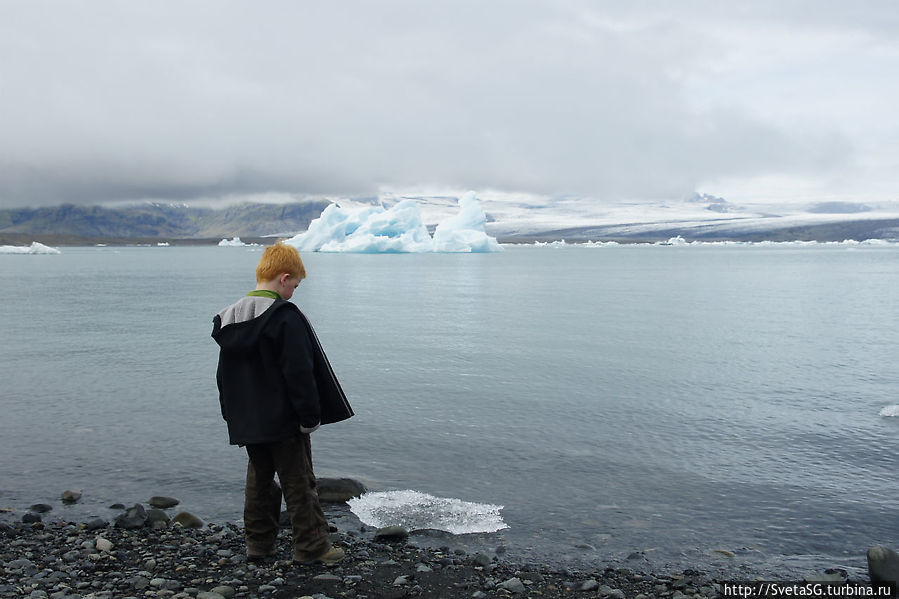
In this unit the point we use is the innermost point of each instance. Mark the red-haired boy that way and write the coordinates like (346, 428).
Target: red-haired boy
(275, 388)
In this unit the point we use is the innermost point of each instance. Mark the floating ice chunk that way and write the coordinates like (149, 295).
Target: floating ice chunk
(890, 411)
(414, 510)
(235, 243)
(34, 248)
(396, 230)
(466, 231)
(675, 241)
(559, 243)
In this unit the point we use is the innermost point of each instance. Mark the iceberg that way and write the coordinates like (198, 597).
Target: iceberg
(465, 231)
(399, 229)
(235, 243)
(34, 248)
(559, 243)
(675, 241)
(890, 411)
(414, 510)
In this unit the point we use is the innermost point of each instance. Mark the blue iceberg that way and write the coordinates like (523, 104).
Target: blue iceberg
(399, 229)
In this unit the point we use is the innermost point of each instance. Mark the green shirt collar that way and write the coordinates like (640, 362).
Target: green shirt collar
(265, 293)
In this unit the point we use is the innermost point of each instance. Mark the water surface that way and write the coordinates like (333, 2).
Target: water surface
(668, 401)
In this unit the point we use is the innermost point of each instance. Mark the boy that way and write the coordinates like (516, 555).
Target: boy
(275, 388)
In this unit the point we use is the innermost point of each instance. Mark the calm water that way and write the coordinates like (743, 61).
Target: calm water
(672, 401)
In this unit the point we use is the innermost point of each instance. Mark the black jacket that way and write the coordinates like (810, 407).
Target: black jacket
(273, 376)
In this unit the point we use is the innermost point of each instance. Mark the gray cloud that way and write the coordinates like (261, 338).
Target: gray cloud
(114, 101)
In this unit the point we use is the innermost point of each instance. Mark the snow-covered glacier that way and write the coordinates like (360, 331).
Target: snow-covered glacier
(399, 229)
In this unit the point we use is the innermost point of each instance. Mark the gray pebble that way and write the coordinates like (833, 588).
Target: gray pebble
(96, 524)
(224, 590)
(20, 564)
(139, 583)
(391, 533)
(513, 585)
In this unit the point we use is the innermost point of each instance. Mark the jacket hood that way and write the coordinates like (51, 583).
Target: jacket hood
(239, 325)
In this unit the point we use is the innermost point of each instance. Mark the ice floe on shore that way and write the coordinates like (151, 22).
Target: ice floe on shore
(34, 248)
(399, 229)
(415, 510)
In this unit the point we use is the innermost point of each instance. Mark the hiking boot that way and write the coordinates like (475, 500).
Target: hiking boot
(331, 556)
(253, 556)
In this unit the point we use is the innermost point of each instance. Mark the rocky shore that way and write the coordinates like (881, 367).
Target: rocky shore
(62, 559)
(145, 553)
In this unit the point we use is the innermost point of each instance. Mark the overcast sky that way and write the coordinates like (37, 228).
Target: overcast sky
(113, 100)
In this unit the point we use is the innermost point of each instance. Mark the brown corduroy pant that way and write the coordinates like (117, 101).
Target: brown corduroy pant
(291, 460)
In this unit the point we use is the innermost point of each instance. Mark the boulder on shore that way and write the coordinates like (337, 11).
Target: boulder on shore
(162, 502)
(883, 565)
(391, 533)
(96, 524)
(156, 518)
(134, 517)
(338, 490)
(187, 520)
(71, 495)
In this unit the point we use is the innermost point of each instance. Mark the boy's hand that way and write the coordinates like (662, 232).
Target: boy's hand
(308, 430)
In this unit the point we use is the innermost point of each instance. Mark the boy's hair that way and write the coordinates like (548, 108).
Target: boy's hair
(278, 259)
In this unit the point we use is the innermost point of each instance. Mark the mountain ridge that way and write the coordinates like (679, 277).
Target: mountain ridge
(698, 217)
(157, 220)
